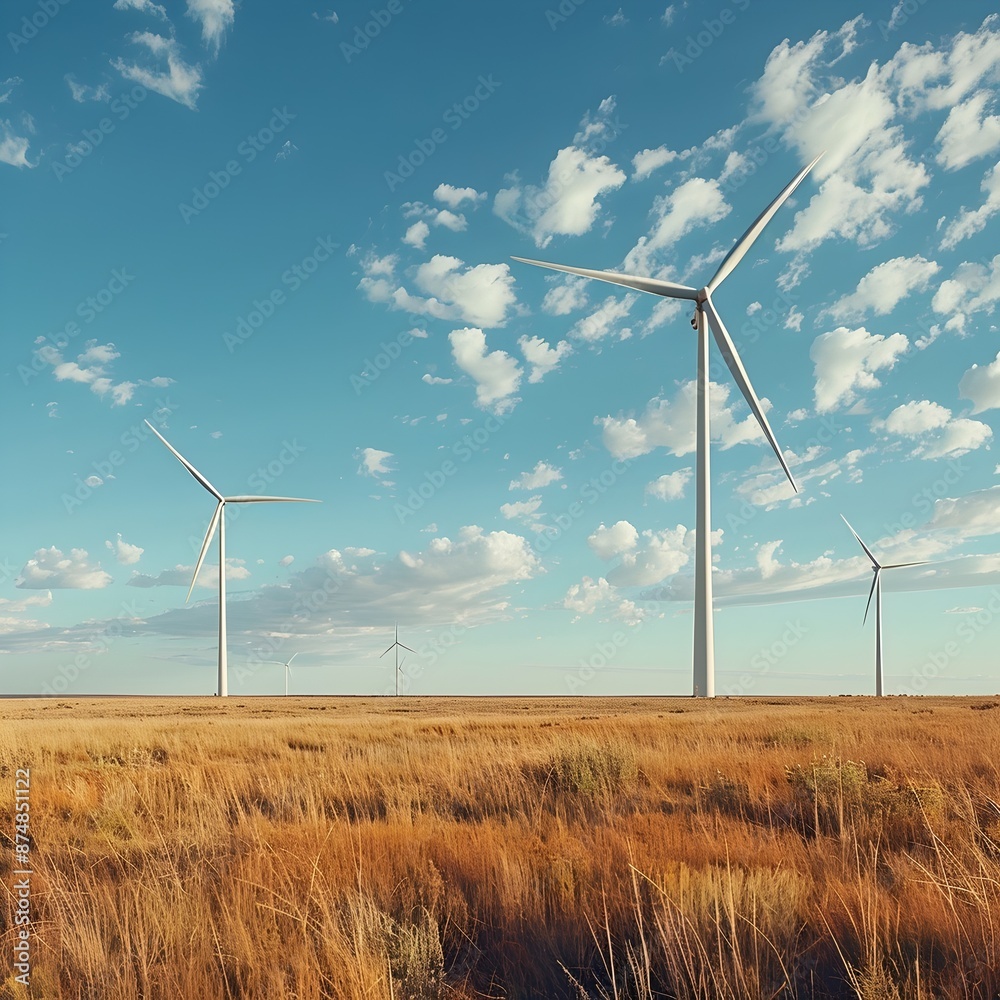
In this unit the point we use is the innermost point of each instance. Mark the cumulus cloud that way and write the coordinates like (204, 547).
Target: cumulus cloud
(606, 543)
(933, 429)
(542, 475)
(885, 286)
(455, 197)
(968, 132)
(846, 361)
(481, 295)
(89, 368)
(13, 147)
(497, 375)
(670, 486)
(50, 569)
(973, 220)
(605, 320)
(541, 356)
(126, 553)
(180, 576)
(143, 6)
(671, 424)
(566, 204)
(981, 384)
(521, 509)
(566, 296)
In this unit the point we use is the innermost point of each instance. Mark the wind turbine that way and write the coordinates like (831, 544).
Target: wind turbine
(219, 521)
(397, 645)
(876, 590)
(706, 315)
(287, 664)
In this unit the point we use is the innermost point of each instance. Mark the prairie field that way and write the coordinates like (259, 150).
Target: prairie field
(430, 848)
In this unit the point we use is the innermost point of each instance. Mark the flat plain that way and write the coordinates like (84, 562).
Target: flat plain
(505, 847)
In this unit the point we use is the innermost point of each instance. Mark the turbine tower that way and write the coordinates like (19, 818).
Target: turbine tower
(705, 316)
(219, 521)
(397, 645)
(876, 590)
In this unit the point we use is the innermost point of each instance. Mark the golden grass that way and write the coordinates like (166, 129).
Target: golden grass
(431, 848)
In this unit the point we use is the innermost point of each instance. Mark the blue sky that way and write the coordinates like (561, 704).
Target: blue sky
(283, 235)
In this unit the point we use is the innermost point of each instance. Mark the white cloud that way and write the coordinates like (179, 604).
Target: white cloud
(143, 6)
(647, 161)
(435, 380)
(13, 147)
(542, 357)
(885, 286)
(416, 235)
(767, 485)
(981, 384)
(671, 424)
(605, 319)
(497, 375)
(180, 82)
(286, 560)
(973, 220)
(454, 197)
(541, 475)
(565, 297)
(659, 555)
(846, 362)
(936, 433)
(968, 132)
(90, 368)
(126, 553)
(587, 596)
(695, 203)
(81, 92)
(51, 570)
(670, 486)
(606, 543)
(373, 462)
(974, 288)
(481, 295)
(523, 509)
(214, 16)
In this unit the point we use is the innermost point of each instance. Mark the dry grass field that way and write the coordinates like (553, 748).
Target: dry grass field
(431, 848)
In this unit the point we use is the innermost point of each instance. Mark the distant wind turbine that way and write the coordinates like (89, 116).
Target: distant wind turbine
(876, 590)
(706, 315)
(219, 521)
(287, 664)
(397, 645)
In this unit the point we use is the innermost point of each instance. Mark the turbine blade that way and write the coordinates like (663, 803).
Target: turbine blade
(187, 465)
(870, 594)
(213, 524)
(259, 499)
(653, 285)
(389, 650)
(868, 551)
(289, 660)
(732, 359)
(922, 562)
(746, 241)
(401, 646)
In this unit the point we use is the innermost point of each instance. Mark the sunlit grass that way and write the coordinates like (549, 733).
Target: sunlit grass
(422, 848)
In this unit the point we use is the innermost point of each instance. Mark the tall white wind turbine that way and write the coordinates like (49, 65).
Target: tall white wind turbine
(397, 645)
(287, 664)
(876, 590)
(219, 521)
(705, 316)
